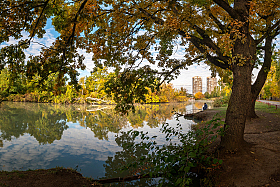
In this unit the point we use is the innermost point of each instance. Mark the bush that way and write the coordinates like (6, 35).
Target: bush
(218, 102)
(179, 163)
(198, 96)
(221, 101)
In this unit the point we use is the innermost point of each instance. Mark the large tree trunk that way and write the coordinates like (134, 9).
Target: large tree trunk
(243, 54)
(237, 109)
(251, 110)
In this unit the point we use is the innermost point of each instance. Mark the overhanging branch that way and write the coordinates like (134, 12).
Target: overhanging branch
(223, 4)
(269, 31)
(220, 61)
(220, 25)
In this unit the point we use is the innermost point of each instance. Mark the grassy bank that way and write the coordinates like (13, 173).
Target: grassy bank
(221, 111)
(266, 108)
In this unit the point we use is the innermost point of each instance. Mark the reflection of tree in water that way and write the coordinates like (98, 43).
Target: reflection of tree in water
(102, 122)
(130, 155)
(156, 115)
(47, 130)
(44, 123)
(198, 105)
(137, 119)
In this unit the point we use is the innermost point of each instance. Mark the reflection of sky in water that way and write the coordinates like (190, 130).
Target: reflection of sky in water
(77, 147)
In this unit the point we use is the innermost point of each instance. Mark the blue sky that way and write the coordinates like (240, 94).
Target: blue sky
(184, 80)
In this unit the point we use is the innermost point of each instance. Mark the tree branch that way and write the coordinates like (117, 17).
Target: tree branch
(223, 4)
(277, 32)
(198, 42)
(268, 32)
(207, 41)
(156, 19)
(220, 25)
(257, 86)
(214, 60)
(21, 5)
(38, 20)
(70, 39)
(167, 74)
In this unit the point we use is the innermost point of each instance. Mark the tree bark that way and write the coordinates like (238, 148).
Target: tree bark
(262, 76)
(237, 109)
(243, 54)
(251, 110)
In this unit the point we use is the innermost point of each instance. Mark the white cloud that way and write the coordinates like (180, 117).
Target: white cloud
(77, 146)
(88, 59)
(184, 80)
(35, 46)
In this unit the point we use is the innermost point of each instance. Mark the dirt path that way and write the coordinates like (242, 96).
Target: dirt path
(258, 164)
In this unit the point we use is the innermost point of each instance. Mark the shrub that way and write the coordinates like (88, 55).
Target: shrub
(175, 162)
(221, 101)
(198, 96)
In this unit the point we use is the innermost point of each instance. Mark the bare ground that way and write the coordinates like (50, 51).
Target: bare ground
(256, 165)
(44, 178)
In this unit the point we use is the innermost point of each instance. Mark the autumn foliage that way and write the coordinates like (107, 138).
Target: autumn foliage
(139, 41)
(198, 95)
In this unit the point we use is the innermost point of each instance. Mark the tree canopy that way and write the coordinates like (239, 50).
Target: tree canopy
(136, 36)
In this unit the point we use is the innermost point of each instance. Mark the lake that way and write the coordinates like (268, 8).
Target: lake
(82, 137)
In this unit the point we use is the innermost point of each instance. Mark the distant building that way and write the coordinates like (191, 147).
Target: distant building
(196, 84)
(211, 84)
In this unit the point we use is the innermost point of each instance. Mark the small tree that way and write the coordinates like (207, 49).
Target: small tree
(198, 95)
(207, 95)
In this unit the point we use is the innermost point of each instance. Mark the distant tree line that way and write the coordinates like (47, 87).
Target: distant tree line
(58, 90)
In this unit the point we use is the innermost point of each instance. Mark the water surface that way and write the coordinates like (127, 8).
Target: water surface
(42, 136)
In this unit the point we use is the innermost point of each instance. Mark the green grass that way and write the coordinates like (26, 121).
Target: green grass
(222, 111)
(266, 108)
(259, 107)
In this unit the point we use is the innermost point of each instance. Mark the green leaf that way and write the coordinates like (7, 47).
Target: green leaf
(215, 161)
(192, 154)
(187, 169)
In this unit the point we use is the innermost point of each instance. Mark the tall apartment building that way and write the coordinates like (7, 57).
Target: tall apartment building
(196, 84)
(211, 84)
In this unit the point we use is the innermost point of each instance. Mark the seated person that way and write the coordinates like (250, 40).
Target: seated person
(205, 106)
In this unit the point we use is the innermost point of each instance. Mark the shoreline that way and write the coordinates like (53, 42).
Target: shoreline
(257, 164)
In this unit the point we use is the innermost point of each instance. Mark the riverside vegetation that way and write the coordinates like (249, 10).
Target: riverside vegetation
(232, 37)
(22, 89)
(256, 164)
